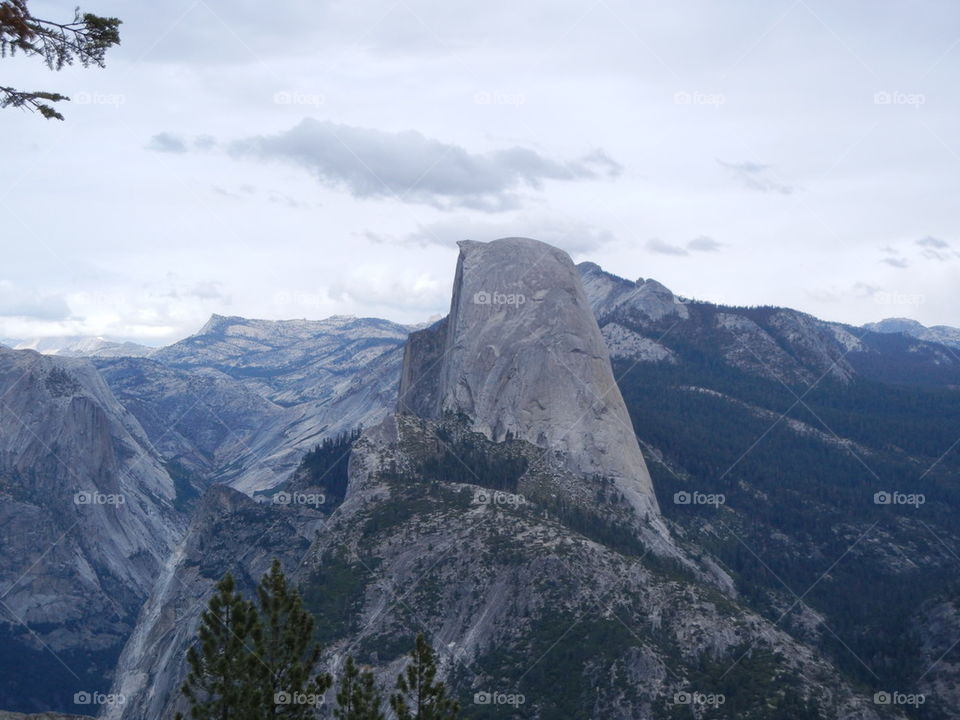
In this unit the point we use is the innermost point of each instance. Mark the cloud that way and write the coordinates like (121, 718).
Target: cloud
(197, 289)
(756, 176)
(862, 289)
(22, 302)
(704, 244)
(603, 162)
(574, 236)
(936, 249)
(411, 167)
(380, 285)
(204, 142)
(167, 143)
(660, 247)
(932, 242)
(899, 263)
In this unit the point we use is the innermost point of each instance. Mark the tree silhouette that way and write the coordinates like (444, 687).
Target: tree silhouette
(286, 652)
(357, 695)
(419, 695)
(86, 39)
(221, 682)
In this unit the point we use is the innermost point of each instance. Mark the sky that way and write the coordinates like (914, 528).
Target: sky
(308, 158)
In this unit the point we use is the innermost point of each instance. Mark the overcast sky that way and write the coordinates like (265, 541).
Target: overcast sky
(305, 158)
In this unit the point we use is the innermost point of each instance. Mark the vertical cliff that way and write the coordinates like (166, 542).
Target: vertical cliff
(521, 356)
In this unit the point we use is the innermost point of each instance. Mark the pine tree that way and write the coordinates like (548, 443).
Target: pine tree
(286, 652)
(87, 39)
(419, 695)
(220, 683)
(357, 695)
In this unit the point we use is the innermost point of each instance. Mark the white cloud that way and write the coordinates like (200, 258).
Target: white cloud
(574, 236)
(21, 302)
(96, 219)
(757, 176)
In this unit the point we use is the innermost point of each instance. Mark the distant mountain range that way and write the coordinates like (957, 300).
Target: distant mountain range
(82, 347)
(943, 334)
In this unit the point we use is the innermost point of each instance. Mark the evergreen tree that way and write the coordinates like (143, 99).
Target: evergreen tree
(285, 652)
(87, 39)
(220, 683)
(419, 695)
(357, 696)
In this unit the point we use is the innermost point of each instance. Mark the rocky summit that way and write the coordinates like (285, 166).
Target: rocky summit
(521, 356)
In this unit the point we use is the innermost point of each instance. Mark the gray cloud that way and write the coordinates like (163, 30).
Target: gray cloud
(936, 249)
(932, 242)
(201, 290)
(656, 245)
(757, 176)
(21, 302)
(704, 243)
(862, 289)
(572, 235)
(414, 168)
(899, 263)
(204, 142)
(168, 143)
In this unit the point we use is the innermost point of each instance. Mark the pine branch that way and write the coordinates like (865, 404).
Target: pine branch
(11, 97)
(86, 39)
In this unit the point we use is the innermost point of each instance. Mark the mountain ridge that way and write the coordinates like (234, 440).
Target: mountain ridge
(503, 559)
(242, 403)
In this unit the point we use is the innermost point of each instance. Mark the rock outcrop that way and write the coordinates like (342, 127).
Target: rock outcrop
(521, 356)
(240, 401)
(87, 517)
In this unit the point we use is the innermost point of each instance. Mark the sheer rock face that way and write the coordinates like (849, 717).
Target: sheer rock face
(87, 517)
(521, 353)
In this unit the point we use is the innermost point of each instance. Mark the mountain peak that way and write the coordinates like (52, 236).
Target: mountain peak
(217, 323)
(943, 334)
(608, 292)
(896, 324)
(521, 355)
